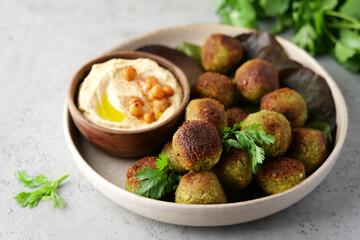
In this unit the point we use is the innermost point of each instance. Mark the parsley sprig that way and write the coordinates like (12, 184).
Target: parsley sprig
(46, 192)
(247, 139)
(320, 26)
(156, 182)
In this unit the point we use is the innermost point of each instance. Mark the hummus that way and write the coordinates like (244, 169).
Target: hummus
(104, 94)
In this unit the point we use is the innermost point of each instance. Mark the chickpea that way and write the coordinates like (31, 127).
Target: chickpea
(129, 73)
(156, 92)
(168, 90)
(150, 97)
(151, 81)
(135, 99)
(149, 117)
(136, 109)
(161, 104)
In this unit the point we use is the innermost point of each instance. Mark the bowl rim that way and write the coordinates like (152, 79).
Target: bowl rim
(98, 180)
(74, 84)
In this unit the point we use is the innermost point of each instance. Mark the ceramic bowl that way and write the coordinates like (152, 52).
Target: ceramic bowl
(107, 174)
(127, 143)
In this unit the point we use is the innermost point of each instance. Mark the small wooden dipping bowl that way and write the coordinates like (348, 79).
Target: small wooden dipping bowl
(127, 143)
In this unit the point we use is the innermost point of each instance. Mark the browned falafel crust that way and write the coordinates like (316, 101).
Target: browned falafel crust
(200, 188)
(131, 181)
(216, 86)
(308, 146)
(234, 154)
(178, 168)
(275, 124)
(255, 78)
(280, 174)
(207, 109)
(287, 102)
(280, 167)
(235, 115)
(221, 53)
(196, 141)
(234, 169)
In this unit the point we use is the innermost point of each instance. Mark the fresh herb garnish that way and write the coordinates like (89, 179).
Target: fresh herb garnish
(246, 139)
(155, 182)
(46, 192)
(326, 26)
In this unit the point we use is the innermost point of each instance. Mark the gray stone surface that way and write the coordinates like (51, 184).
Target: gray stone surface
(42, 43)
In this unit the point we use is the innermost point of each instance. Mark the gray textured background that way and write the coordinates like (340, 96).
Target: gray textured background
(42, 43)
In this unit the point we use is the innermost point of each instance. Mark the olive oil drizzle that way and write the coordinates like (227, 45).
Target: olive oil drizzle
(107, 112)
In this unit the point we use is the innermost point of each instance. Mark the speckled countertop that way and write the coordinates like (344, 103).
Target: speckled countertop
(42, 43)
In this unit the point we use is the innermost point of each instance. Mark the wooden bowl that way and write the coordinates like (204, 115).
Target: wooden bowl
(127, 143)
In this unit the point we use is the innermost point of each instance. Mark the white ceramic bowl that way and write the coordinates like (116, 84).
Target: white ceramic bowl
(107, 173)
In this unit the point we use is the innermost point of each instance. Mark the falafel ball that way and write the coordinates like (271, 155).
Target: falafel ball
(235, 115)
(197, 145)
(308, 146)
(255, 78)
(234, 169)
(200, 188)
(280, 174)
(275, 124)
(178, 168)
(216, 86)
(132, 182)
(207, 109)
(287, 102)
(221, 53)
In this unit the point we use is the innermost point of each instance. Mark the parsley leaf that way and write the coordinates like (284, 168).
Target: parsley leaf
(156, 182)
(29, 181)
(305, 37)
(247, 139)
(237, 12)
(162, 162)
(320, 26)
(347, 49)
(275, 8)
(46, 192)
(351, 8)
(343, 52)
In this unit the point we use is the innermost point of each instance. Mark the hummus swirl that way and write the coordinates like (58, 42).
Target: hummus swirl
(104, 94)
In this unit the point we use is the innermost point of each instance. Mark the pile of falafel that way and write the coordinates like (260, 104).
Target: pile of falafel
(196, 150)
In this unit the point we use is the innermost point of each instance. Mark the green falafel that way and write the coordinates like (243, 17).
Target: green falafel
(221, 53)
(197, 145)
(287, 102)
(235, 115)
(216, 86)
(308, 146)
(132, 182)
(207, 109)
(280, 174)
(255, 78)
(275, 124)
(200, 188)
(178, 168)
(234, 169)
